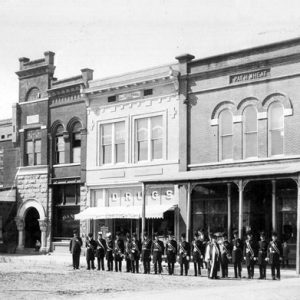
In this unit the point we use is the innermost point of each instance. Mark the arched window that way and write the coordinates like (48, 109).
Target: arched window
(33, 94)
(76, 143)
(225, 135)
(59, 145)
(250, 131)
(276, 128)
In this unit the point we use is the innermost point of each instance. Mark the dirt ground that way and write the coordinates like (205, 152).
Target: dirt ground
(21, 279)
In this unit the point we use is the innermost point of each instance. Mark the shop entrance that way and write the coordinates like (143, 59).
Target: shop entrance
(32, 228)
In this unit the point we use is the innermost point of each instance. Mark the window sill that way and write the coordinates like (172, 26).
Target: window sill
(66, 165)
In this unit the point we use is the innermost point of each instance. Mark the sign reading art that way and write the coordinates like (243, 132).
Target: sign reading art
(248, 76)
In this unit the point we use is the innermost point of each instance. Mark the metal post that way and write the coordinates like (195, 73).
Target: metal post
(298, 228)
(143, 209)
(274, 219)
(229, 210)
(241, 200)
(188, 212)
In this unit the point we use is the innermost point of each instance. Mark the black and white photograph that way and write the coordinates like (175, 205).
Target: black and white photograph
(150, 149)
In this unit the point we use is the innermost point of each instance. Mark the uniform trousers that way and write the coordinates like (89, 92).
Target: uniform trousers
(184, 264)
(118, 264)
(76, 259)
(171, 268)
(100, 262)
(135, 265)
(275, 267)
(237, 269)
(250, 269)
(110, 265)
(197, 267)
(262, 271)
(128, 265)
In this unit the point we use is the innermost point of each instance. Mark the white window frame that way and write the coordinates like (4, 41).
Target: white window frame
(245, 134)
(221, 136)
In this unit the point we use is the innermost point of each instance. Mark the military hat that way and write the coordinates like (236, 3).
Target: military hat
(235, 231)
(262, 233)
(274, 233)
(183, 235)
(75, 231)
(249, 232)
(156, 234)
(128, 235)
(224, 235)
(196, 233)
(90, 235)
(134, 235)
(145, 233)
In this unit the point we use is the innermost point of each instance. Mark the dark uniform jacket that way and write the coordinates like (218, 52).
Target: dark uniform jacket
(225, 249)
(101, 248)
(109, 250)
(127, 250)
(119, 249)
(262, 252)
(75, 245)
(250, 251)
(274, 252)
(146, 249)
(171, 251)
(197, 250)
(135, 250)
(91, 246)
(237, 250)
(157, 250)
(184, 250)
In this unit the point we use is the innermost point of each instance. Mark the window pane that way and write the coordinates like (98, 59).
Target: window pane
(142, 150)
(38, 159)
(250, 119)
(276, 116)
(142, 129)
(276, 142)
(60, 144)
(120, 153)
(156, 127)
(226, 122)
(37, 146)
(106, 152)
(119, 132)
(250, 145)
(59, 129)
(227, 147)
(106, 134)
(76, 127)
(76, 155)
(157, 149)
(29, 147)
(30, 159)
(70, 192)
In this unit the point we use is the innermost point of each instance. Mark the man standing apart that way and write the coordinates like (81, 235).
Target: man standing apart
(75, 249)
(100, 252)
(275, 256)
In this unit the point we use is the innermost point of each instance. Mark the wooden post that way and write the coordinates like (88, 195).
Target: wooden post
(229, 210)
(143, 210)
(274, 219)
(241, 200)
(298, 229)
(188, 212)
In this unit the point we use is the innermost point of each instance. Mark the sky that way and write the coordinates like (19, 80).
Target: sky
(117, 36)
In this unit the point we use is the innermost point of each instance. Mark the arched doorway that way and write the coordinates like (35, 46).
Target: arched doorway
(32, 228)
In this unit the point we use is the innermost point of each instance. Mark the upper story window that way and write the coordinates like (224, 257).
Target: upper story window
(33, 94)
(33, 147)
(59, 145)
(225, 135)
(76, 143)
(276, 129)
(112, 143)
(149, 138)
(250, 132)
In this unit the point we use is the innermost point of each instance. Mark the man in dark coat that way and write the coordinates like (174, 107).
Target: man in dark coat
(109, 252)
(237, 255)
(75, 249)
(184, 250)
(118, 252)
(91, 246)
(171, 252)
(157, 251)
(135, 252)
(262, 255)
(127, 253)
(225, 248)
(197, 254)
(146, 253)
(101, 250)
(275, 256)
(250, 254)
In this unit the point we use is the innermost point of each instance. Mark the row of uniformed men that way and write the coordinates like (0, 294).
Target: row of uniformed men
(214, 253)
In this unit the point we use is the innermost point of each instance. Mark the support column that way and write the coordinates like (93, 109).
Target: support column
(20, 226)
(241, 202)
(298, 229)
(188, 212)
(143, 210)
(229, 210)
(274, 219)
(43, 226)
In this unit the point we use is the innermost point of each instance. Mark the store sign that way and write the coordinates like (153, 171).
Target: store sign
(32, 119)
(129, 96)
(248, 76)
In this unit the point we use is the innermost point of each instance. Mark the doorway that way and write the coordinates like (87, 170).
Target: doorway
(32, 228)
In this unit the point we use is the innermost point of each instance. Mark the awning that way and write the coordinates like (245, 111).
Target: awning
(123, 212)
(8, 195)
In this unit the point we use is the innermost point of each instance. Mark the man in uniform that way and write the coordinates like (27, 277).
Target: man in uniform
(135, 250)
(275, 255)
(127, 253)
(91, 246)
(157, 251)
(118, 252)
(100, 252)
(262, 255)
(237, 254)
(146, 253)
(109, 252)
(184, 251)
(214, 256)
(250, 254)
(225, 248)
(197, 254)
(171, 252)
(75, 249)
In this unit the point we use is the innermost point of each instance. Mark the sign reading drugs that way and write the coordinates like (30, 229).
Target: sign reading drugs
(159, 195)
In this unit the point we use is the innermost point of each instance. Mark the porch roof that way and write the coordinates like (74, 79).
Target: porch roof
(232, 172)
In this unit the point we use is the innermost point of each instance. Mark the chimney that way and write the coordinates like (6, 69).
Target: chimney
(23, 60)
(49, 57)
(87, 74)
